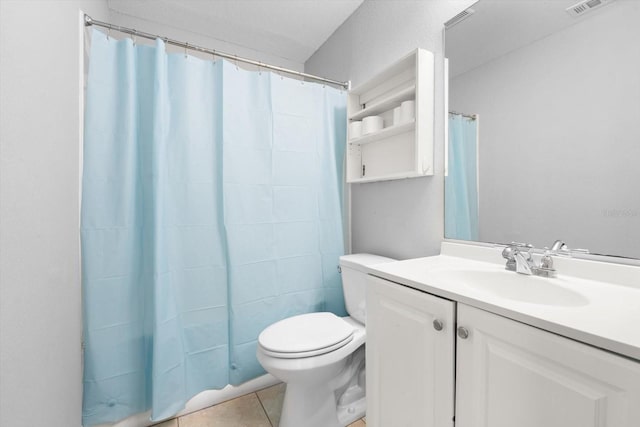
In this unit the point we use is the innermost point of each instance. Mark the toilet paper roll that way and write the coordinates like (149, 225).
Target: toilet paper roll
(396, 116)
(372, 124)
(355, 129)
(407, 111)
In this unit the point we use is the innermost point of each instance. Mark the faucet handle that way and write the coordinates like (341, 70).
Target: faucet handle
(507, 253)
(518, 247)
(510, 251)
(546, 266)
(546, 262)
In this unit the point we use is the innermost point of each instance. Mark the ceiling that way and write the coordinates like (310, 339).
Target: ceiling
(290, 29)
(498, 27)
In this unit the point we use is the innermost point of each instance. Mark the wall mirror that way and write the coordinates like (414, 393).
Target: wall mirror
(544, 124)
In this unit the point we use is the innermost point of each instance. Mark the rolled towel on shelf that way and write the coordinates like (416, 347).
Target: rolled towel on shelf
(407, 111)
(355, 129)
(372, 124)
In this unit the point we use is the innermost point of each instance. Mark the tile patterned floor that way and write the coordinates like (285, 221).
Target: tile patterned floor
(260, 409)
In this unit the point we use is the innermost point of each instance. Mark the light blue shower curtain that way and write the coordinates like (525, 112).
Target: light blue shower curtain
(283, 160)
(211, 207)
(461, 184)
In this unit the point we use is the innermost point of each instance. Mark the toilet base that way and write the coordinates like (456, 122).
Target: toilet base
(317, 408)
(353, 412)
(309, 407)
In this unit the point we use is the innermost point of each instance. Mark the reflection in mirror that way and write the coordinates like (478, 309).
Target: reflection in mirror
(544, 128)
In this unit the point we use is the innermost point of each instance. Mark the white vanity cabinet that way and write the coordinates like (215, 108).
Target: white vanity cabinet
(507, 374)
(511, 374)
(410, 357)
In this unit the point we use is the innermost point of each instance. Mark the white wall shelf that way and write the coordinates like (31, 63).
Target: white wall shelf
(386, 104)
(397, 151)
(388, 177)
(384, 133)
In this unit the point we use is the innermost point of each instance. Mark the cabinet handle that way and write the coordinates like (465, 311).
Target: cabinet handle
(438, 325)
(463, 332)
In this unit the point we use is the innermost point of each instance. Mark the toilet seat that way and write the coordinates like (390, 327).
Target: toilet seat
(311, 353)
(305, 335)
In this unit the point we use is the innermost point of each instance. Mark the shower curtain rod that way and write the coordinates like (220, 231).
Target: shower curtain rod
(88, 21)
(468, 116)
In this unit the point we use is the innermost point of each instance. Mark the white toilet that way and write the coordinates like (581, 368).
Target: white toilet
(320, 356)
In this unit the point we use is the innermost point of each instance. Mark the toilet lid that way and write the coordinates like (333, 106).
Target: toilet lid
(306, 335)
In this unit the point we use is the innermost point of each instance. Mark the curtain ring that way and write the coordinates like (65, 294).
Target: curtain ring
(259, 68)
(236, 61)
(109, 33)
(186, 46)
(213, 56)
(133, 37)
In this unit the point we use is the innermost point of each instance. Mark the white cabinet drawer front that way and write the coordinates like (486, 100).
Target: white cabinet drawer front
(513, 375)
(410, 364)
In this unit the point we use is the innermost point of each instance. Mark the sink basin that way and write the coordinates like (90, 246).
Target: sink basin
(518, 287)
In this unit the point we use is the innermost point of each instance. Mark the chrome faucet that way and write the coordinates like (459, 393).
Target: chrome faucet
(558, 246)
(524, 262)
(519, 259)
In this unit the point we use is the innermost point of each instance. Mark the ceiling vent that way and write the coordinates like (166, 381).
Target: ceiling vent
(461, 17)
(585, 6)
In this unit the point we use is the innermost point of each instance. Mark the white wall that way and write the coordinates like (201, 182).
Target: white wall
(559, 134)
(40, 320)
(404, 218)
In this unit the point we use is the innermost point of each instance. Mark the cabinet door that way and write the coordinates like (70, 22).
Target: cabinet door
(410, 364)
(513, 375)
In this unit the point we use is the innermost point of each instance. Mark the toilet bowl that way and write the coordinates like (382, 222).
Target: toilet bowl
(320, 356)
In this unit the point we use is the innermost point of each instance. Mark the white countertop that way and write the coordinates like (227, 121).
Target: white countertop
(606, 314)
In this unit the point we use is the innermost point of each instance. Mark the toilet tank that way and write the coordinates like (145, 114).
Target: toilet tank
(354, 282)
